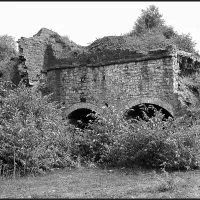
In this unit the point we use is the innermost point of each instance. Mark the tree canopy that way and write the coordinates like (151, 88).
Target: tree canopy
(150, 28)
(8, 47)
(149, 19)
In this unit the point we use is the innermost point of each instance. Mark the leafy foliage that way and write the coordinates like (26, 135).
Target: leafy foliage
(154, 143)
(185, 43)
(88, 144)
(33, 134)
(151, 29)
(149, 19)
(7, 47)
(8, 50)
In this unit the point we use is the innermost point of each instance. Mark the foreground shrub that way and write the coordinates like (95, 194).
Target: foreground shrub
(154, 143)
(32, 132)
(89, 143)
(33, 135)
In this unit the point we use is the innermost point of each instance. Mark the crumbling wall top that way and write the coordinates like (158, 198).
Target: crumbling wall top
(59, 52)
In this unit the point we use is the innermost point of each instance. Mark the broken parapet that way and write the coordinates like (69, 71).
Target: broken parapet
(42, 50)
(33, 50)
(47, 51)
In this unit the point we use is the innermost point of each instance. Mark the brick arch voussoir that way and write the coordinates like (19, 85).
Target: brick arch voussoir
(82, 105)
(155, 101)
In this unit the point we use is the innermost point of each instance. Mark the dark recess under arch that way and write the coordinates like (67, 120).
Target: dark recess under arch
(81, 117)
(136, 111)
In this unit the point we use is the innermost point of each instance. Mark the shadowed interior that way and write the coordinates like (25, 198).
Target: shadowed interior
(137, 111)
(81, 117)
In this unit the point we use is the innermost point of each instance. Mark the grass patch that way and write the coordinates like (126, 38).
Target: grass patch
(98, 183)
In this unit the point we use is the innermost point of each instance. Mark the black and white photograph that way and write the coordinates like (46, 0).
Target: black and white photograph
(99, 99)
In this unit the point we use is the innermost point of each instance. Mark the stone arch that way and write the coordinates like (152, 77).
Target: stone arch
(150, 100)
(83, 105)
(79, 114)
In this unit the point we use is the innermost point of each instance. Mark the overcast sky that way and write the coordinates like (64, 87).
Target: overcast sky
(86, 21)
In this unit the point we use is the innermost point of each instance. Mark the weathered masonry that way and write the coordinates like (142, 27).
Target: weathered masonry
(123, 84)
(121, 78)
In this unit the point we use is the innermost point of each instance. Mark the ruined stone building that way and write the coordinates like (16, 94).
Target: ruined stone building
(90, 79)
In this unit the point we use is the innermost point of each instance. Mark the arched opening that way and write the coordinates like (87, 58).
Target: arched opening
(81, 117)
(137, 111)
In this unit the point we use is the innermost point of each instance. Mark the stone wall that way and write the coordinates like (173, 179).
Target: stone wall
(33, 50)
(96, 77)
(116, 84)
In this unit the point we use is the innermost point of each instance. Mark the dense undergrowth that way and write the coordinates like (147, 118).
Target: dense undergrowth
(32, 132)
(34, 137)
(151, 143)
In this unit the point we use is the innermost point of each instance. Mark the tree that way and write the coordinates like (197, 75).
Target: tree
(8, 59)
(168, 31)
(8, 47)
(149, 19)
(185, 42)
(151, 30)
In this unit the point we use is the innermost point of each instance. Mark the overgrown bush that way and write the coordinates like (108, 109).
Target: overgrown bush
(154, 142)
(89, 143)
(8, 48)
(33, 135)
(32, 132)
